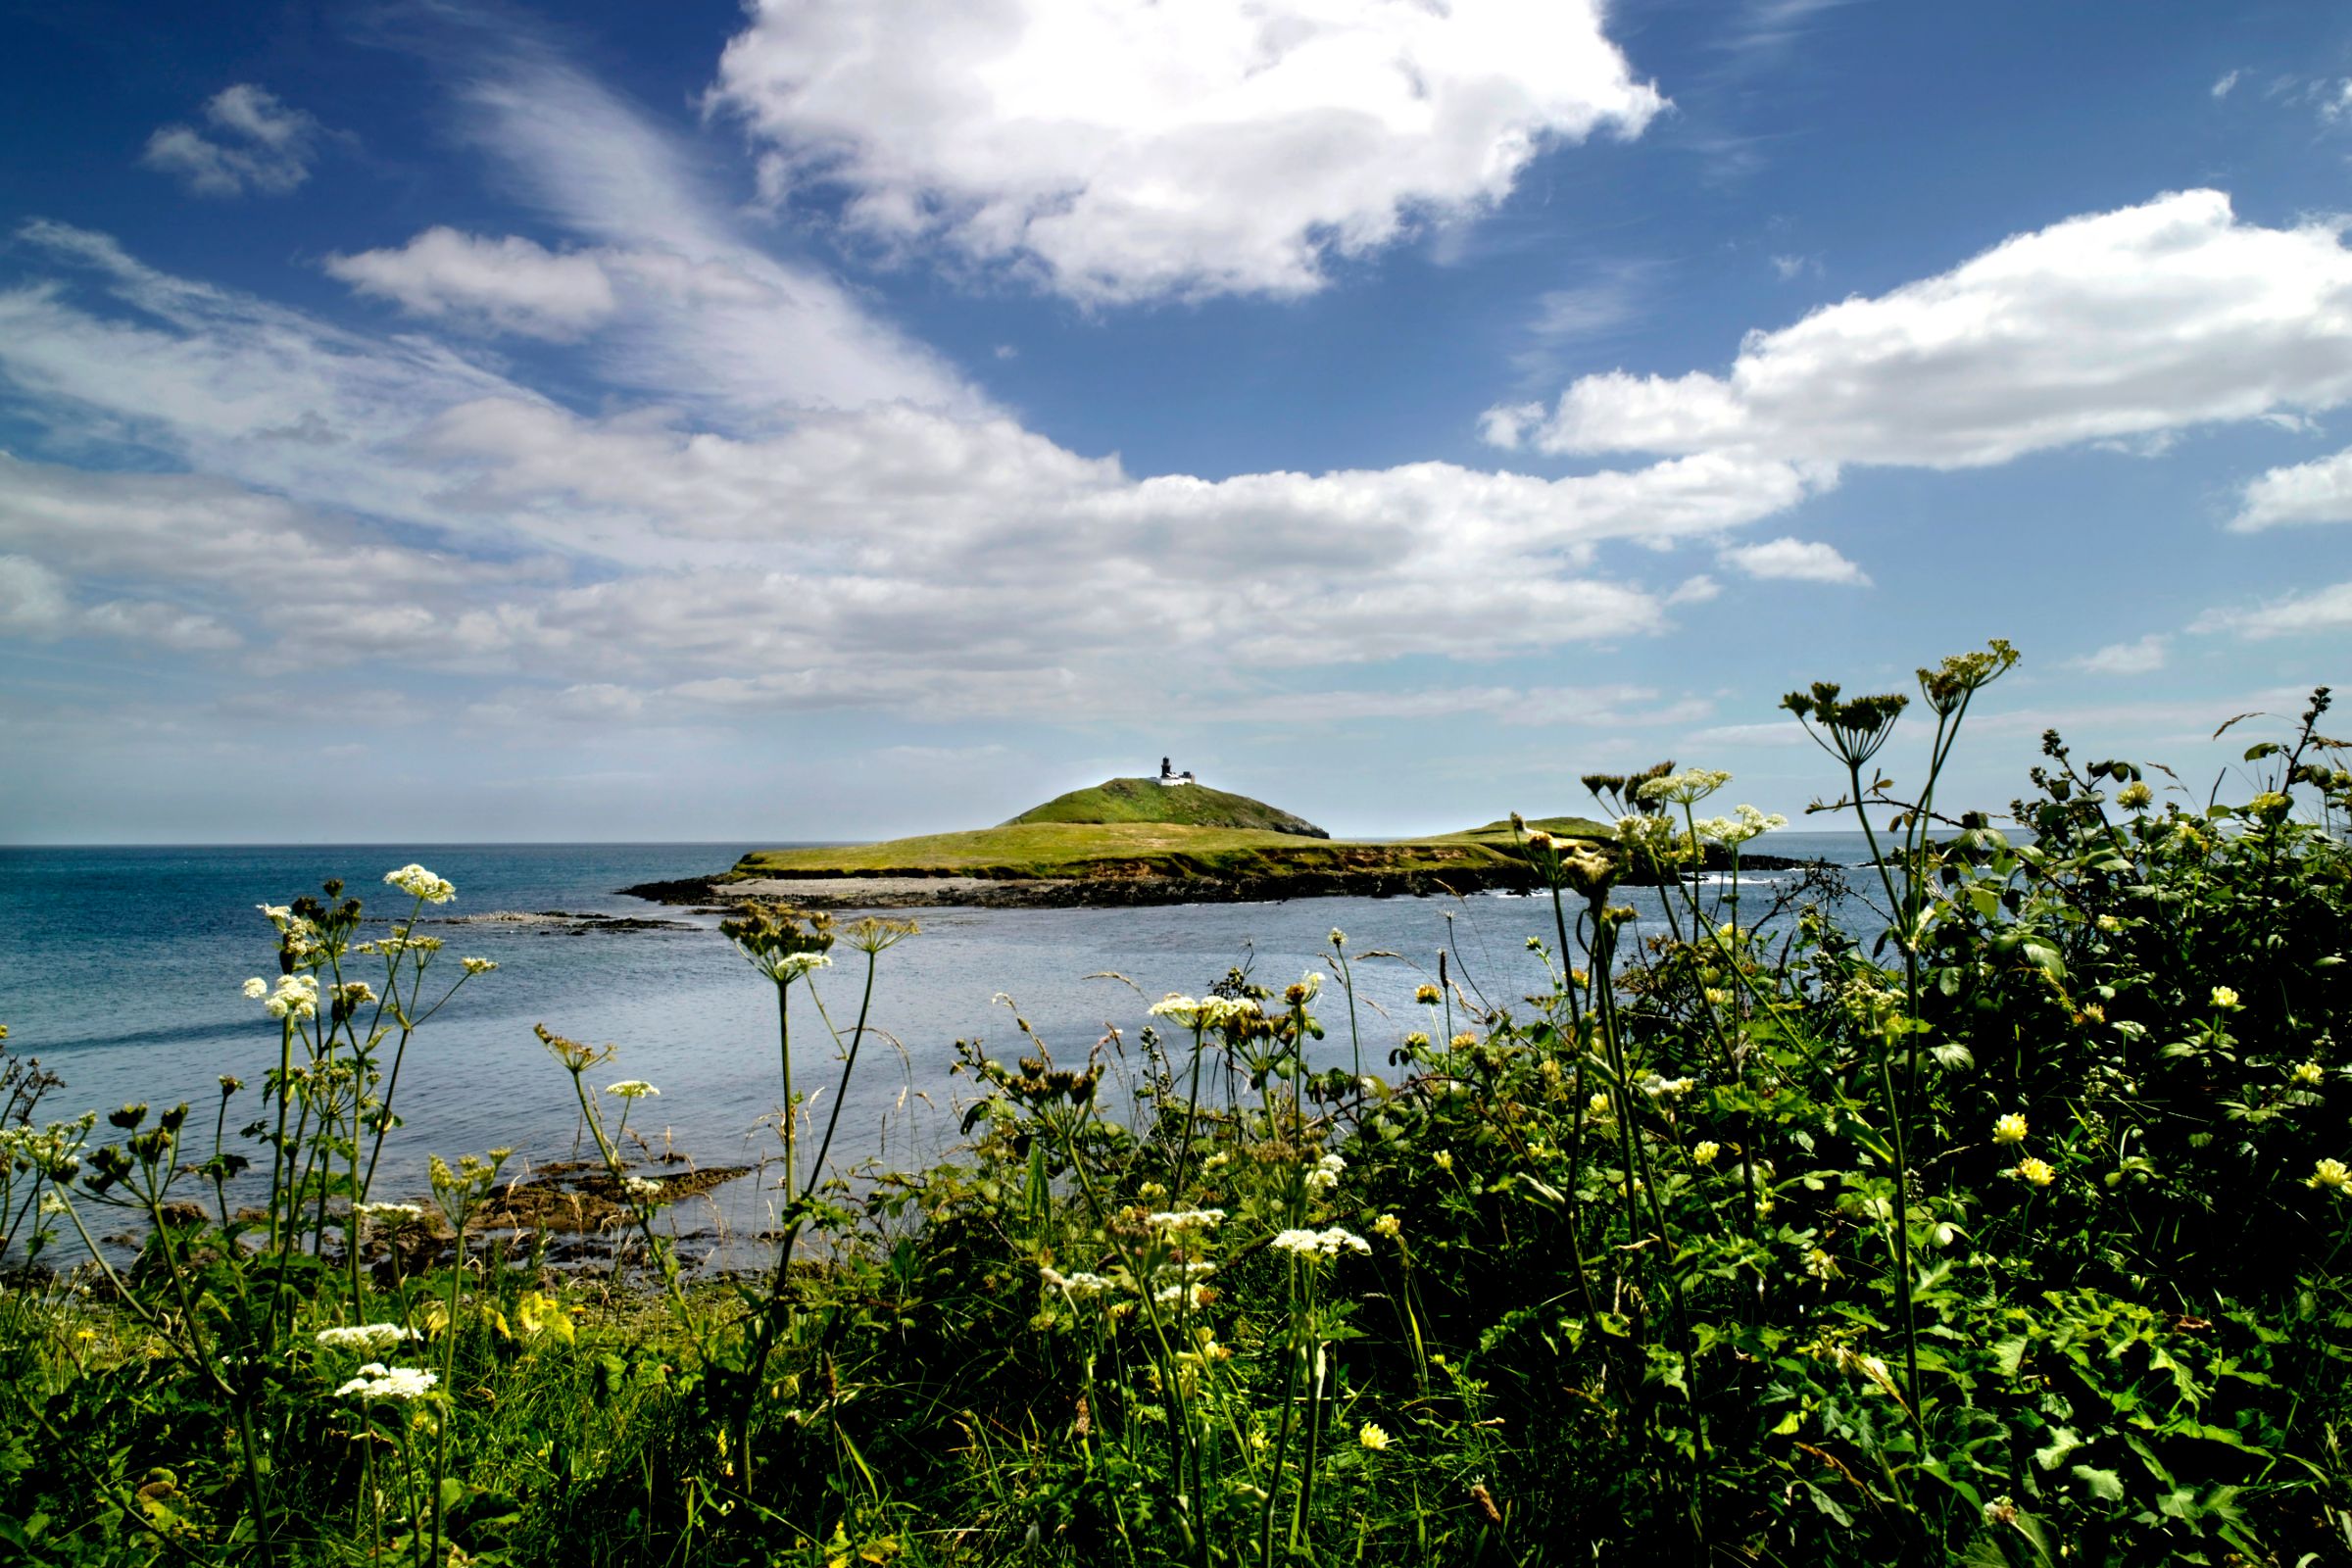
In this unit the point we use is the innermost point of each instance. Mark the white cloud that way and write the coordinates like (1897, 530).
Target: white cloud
(1796, 560)
(1125, 150)
(2140, 657)
(32, 599)
(2318, 491)
(510, 284)
(2297, 615)
(256, 144)
(893, 557)
(2227, 80)
(2116, 325)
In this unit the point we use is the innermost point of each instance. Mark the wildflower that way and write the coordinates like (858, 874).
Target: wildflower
(296, 996)
(277, 914)
(1463, 1040)
(1185, 1220)
(1372, 1436)
(2270, 803)
(2223, 998)
(395, 1212)
(1764, 1207)
(1657, 1087)
(1339, 938)
(1149, 1191)
(2111, 923)
(2009, 1129)
(1319, 1243)
(1542, 842)
(1428, 996)
(474, 967)
(1077, 1287)
(419, 883)
(1194, 1296)
(1706, 1152)
(1416, 1041)
(352, 993)
(2310, 1072)
(1389, 1226)
(1326, 1174)
(1821, 1266)
(2034, 1170)
(1734, 831)
(256, 988)
(2330, 1173)
(779, 944)
(52, 1204)
(1305, 992)
(641, 1189)
(2134, 796)
(367, 1337)
(1444, 1161)
(1599, 1105)
(1686, 788)
(1181, 1010)
(633, 1089)
(1218, 1160)
(377, 1380)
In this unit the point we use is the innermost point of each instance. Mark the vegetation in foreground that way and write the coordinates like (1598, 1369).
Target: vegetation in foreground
(2018, 1240)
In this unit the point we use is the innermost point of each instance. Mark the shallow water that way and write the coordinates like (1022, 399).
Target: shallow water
(119, 968)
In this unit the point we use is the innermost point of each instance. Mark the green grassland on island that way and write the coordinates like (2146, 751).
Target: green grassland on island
(1135, 828)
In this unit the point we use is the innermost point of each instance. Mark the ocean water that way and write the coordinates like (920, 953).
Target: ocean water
(121, 968)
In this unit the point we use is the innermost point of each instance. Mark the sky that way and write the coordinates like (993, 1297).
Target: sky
(424, 420)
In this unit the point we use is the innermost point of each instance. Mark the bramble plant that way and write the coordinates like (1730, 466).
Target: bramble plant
(1994, 1213)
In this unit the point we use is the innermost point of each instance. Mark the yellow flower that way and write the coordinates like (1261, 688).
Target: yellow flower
(1444, 1158)
(2036, 1171)
(1463, 1040)
(2223, 998)
(1429, 996)
(1597, 1105)
(1704, 1153)
(2330, 1173)
(1372, 1436)
(2009, 1129)
(1388, 1225)
(2310, 1072)
(2134, 796)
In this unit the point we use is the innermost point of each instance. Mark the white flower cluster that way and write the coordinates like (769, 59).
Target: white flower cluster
(1320, 1244)
(1201, 1012)
(1748, 823)
(419, 883)
(1686, 788)
(296, 995)
(400, 942)
(1173, 1221)
(633, 1089)
(638, 1187)
(479, 965)
(1194, 1296)
(1077, 1287)
(370, 1339)
(377, 1380)
(1657, 1087)
(395, 1212)
(1326, 1174)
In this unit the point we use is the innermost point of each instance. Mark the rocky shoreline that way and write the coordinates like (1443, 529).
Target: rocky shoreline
(914, 889)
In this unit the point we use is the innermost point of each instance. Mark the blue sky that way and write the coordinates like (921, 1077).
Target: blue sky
(841, 417)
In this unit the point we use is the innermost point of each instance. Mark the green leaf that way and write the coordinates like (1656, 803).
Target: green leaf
(2104, 1484)
(1829, 1506)
(2063, 1441)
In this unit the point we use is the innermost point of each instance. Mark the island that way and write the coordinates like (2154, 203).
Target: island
(1129, 841)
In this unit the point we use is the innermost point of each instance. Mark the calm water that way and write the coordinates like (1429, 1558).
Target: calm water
(119, 968)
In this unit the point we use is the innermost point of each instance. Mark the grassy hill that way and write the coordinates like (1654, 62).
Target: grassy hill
(1146, 800)
(1082, 836)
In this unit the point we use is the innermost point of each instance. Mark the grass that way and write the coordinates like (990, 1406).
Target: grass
(1146, 800)
(1035, 845)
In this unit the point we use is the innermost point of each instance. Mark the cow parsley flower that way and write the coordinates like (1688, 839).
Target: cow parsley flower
(1326, 1174)
(377, 1380)
(475, 967)
(1078, 1287)
(296, 996)
(633, 1089)
(643, 1190)
(419, 883)
(365, 1338)
(1319, 1243)
(256, 988)
(1175, 1220)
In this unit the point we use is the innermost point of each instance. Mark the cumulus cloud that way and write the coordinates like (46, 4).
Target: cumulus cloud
(1796, 560)
(1125, 150)
(253, 143)
(892, 556)
(511, 284)
(2116, 324)
(2295, 615)
(2139, 658)
(2318, 491)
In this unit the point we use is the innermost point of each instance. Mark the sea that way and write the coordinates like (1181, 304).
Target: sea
(121, 970)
